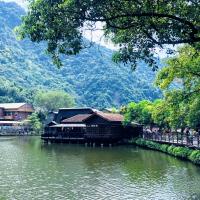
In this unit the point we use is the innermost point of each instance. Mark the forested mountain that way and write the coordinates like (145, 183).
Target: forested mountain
(91, 77)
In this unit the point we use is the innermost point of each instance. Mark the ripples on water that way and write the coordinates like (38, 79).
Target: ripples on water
(31, 170)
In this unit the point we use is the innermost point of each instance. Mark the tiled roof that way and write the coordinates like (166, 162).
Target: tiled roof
(11, 105)
(83, 117)
(76, 108)
(77, 118)
(111, 117)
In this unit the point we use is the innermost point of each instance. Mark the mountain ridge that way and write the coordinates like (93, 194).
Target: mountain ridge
(91, 76)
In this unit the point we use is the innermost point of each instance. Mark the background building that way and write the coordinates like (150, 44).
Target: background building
(14, 113)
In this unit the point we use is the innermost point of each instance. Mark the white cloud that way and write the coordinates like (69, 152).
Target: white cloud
(97, 35)
(22, 3)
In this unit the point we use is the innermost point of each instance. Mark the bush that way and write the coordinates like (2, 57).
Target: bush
(181, 152)
(195, 157)
(141, 142)
(153, 145)
(164, 148)
(170, 149)
(35, 123)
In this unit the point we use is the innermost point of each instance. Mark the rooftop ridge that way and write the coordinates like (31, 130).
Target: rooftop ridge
(77, 108)
(11, 105)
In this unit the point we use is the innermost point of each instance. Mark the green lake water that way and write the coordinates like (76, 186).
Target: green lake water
(30, 169)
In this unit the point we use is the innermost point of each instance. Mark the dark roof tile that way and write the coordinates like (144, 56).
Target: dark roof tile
(77, 118)
(111, 116)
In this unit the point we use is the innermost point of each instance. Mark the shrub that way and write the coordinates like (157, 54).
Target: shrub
(153, 145)
(181, 152)
(133, 140)
(146, 143)
(164, 148)
(170, 150)
(141, 142)
(195, 156)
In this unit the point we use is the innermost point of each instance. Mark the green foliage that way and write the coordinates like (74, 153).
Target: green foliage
(153, 145)
(177, 151)
(183, 101)
(183, 68)
(149, 144)
(180, 107)
(181, 152)
(10, 92)
(147, 113)
(193, 116)
(160, 114)
(139, 27)
(139, 112)
(164, 148)
(195, 156)
(35, 123)
(170, 150)
(47, 101)
(90, 77)
(139, 141)
(114, 110)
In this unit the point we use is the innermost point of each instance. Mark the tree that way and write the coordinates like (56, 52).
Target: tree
(139, 112)
(10, 92)
(193, 117)
(183, 69)
(47, 101)
(183, 100)
(35, 123)
(137, 26)
(160, 113)
(177, 110)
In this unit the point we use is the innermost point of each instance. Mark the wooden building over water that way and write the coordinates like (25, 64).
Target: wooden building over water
(88, 125)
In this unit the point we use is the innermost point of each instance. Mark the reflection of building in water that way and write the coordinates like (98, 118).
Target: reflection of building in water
(86, 124)
(14, 114)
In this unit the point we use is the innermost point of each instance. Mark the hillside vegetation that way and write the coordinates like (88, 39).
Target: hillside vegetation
(91, 77)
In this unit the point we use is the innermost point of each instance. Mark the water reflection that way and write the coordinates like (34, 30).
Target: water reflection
(30, 169)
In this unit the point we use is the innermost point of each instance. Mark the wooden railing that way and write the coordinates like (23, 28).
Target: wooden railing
(12, 130)
(174, 138)
(61, 135)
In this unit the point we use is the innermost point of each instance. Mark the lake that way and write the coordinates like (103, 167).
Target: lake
(30, 169)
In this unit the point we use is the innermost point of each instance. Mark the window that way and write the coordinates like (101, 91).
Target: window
(8, 113)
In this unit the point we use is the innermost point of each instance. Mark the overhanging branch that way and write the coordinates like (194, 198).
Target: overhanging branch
(157, 15)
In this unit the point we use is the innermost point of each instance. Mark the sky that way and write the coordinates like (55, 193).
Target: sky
(20, 2)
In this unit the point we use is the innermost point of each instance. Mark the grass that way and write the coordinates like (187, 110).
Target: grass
(177, 151)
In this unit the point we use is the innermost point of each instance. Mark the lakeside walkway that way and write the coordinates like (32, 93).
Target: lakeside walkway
(192, 141)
